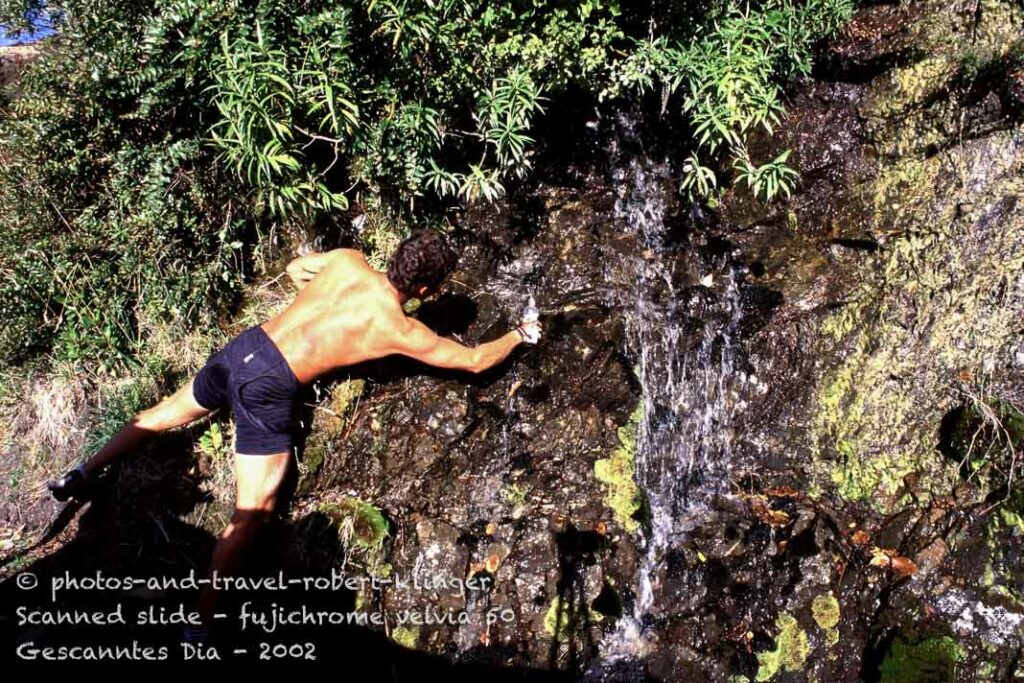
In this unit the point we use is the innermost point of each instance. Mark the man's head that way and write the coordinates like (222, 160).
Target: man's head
(421, 263)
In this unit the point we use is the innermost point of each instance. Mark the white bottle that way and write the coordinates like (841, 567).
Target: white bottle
(530, 313)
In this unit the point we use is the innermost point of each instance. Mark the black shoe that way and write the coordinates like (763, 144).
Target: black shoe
(74, 484)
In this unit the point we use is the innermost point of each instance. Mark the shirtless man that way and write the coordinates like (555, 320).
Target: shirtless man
(345, 313)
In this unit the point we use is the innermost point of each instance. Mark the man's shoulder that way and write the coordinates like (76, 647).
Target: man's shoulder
(346, 254)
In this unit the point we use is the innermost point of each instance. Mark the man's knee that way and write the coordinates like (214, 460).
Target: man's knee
(256, 504)
(251, 517)
(154, 418)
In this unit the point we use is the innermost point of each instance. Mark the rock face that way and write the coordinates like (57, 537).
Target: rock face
(791, 454)
(494, 476)
(882, 311)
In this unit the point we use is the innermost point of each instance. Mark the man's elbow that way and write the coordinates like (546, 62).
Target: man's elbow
(478, 362)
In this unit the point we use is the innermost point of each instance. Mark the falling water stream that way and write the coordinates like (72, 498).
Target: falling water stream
(683, 337)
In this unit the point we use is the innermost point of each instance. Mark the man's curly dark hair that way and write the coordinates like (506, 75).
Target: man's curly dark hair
(422, 260)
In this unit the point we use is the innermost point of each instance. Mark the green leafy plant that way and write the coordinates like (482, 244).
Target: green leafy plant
(259, 99)
(156, 147)
(769, 180)
(213, 444)
(698, 180)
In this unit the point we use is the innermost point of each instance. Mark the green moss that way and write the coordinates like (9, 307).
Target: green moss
(933, 660)
(564, 622)
(406, 636)
(345, 394)
(360, 524)
(927, 305)
(313, 458)
(791, 649)
(618, 473)
(825, 608)
(1012, 518)
(514, 494)
(832, 637)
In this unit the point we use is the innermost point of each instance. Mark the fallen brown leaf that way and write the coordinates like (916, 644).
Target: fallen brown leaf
(861, 537)
(782, 492)
(885, 558)
(775, 518)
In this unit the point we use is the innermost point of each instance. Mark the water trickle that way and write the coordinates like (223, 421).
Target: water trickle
(682, 332)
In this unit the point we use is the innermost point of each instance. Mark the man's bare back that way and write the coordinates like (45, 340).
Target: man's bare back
(346, 313)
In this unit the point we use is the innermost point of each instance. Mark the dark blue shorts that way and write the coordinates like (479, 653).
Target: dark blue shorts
(250, 376)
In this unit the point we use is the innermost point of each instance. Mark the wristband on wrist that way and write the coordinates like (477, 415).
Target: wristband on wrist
(521, 332)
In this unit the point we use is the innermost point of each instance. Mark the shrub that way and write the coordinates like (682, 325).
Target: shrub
(155, 142)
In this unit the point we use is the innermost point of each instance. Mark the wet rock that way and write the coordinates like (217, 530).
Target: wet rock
(857, 308)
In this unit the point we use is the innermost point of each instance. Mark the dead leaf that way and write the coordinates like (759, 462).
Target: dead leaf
(861, 537)
(775, 518)
(782, 492)
(514, 388)
(885, 558)
(903, 566)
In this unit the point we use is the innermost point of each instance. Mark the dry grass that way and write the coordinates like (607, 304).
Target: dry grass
(265, 300)
(45, 417)
(44, 425)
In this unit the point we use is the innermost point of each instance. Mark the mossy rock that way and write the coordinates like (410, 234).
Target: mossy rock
(932, 660)
(564, 623)
(790, 653)
(618, 473)
(344, 395)
(360, 524)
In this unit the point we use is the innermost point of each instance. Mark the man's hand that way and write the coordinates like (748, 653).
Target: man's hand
(303, 269)
(530, 331)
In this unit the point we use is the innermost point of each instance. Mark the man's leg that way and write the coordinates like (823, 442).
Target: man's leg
(178, 409)
(258, 478)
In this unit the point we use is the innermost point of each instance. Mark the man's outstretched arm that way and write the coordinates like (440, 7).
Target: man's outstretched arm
(421, 343)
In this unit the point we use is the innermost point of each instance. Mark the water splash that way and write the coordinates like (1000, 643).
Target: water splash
(682, 332)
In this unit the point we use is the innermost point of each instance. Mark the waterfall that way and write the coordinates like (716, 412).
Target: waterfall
(683, 337)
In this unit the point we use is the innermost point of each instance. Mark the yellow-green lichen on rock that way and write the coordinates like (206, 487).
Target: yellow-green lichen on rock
(915, 93)
(618, 473)
(825, 609)
(790, 652)
(406, 636)
(565, 620)
(943, 296)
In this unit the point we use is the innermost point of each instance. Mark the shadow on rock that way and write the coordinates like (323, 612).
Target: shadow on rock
(124, 582)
